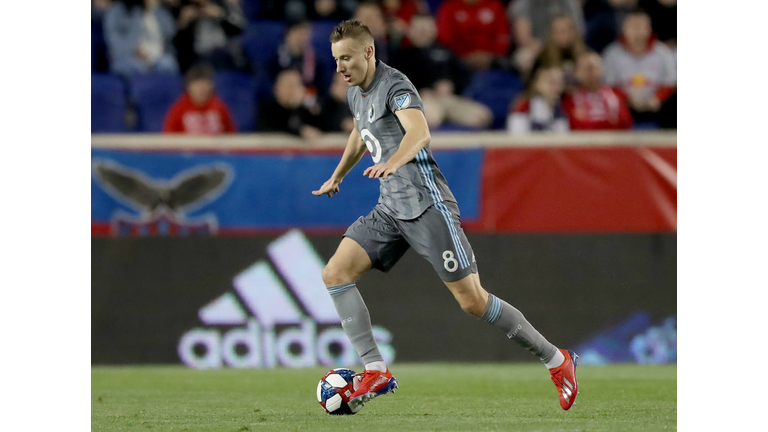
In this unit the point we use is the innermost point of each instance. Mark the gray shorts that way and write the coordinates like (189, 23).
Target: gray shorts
(436, 235)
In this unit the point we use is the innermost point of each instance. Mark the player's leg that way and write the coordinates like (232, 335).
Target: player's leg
(340, 276)
(347, 264)
(437, 236)
(371, 242)
(476, 301)
(500, 314)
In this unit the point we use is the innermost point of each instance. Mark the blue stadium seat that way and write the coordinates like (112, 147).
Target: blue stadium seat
(238, 91)
(94, 50)
(434, 5)
(260, 41)
(263, 85)
(251, 9)
(99, 60)
(321, 31)
(496, 89)
(646, 125)
(108, 104)
(153, 95)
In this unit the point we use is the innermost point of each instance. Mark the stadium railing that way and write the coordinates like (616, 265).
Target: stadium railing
(338, 140)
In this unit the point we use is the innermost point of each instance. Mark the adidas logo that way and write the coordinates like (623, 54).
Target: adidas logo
(263, 324)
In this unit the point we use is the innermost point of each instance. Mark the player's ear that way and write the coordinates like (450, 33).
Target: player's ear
(369, 52)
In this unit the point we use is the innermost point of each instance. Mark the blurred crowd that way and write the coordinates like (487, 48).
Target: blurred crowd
(519, 65)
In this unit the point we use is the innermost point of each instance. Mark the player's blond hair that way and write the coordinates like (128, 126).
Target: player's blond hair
(352, 29)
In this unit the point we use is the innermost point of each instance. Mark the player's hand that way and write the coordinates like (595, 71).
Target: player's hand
(330, 188)
(380, 170)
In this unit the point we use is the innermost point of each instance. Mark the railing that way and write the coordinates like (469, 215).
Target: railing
(442, 140)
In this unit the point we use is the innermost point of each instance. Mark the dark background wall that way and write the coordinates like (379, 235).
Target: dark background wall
(146, 292)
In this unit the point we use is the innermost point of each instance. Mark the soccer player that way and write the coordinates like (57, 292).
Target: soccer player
(415, 209)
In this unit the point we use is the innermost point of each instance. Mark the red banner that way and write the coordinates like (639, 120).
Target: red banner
(567, 189)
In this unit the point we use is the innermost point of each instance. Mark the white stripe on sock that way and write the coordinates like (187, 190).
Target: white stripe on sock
(377, 366)
(557, 360)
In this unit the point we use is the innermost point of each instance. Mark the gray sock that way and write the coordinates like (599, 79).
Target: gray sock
(355, 320)
(511, 321)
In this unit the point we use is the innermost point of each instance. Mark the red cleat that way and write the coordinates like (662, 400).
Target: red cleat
(372, 384)
(564, 377)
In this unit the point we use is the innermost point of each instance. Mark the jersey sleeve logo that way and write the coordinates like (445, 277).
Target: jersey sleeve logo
(403, 100)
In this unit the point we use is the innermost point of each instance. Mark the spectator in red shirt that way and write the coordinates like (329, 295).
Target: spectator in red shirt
(594, 105)
(476, 30)
(198, 111)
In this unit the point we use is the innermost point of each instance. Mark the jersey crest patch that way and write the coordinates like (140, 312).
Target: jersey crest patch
(403, 100)
(370, 113)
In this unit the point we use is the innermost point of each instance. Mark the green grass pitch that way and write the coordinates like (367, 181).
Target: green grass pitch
(446, 397)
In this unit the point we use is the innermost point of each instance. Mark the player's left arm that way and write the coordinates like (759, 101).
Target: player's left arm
(415, 138)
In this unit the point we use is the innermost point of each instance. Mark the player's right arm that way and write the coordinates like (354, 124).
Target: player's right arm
(352, 153)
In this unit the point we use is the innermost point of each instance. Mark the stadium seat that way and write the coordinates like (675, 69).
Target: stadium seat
(94, 50)
(263, 85)
(496, 89)
(251, 9)
(108, 104)
(99, 60)
(153, 95)
(646, 125)
(321, 31)
(238, 91)
(260, 41)
(434, 5)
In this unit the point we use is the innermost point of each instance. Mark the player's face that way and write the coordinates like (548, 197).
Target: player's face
(351, 61)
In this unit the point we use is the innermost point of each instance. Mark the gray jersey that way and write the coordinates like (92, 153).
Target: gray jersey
(417, 184)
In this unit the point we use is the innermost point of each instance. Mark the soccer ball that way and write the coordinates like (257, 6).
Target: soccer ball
(335, 389)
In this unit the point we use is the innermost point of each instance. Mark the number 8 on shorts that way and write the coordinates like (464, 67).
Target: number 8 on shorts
(449, 262)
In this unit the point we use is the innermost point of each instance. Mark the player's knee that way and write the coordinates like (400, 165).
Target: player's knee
(335, 275)
(472, 305)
